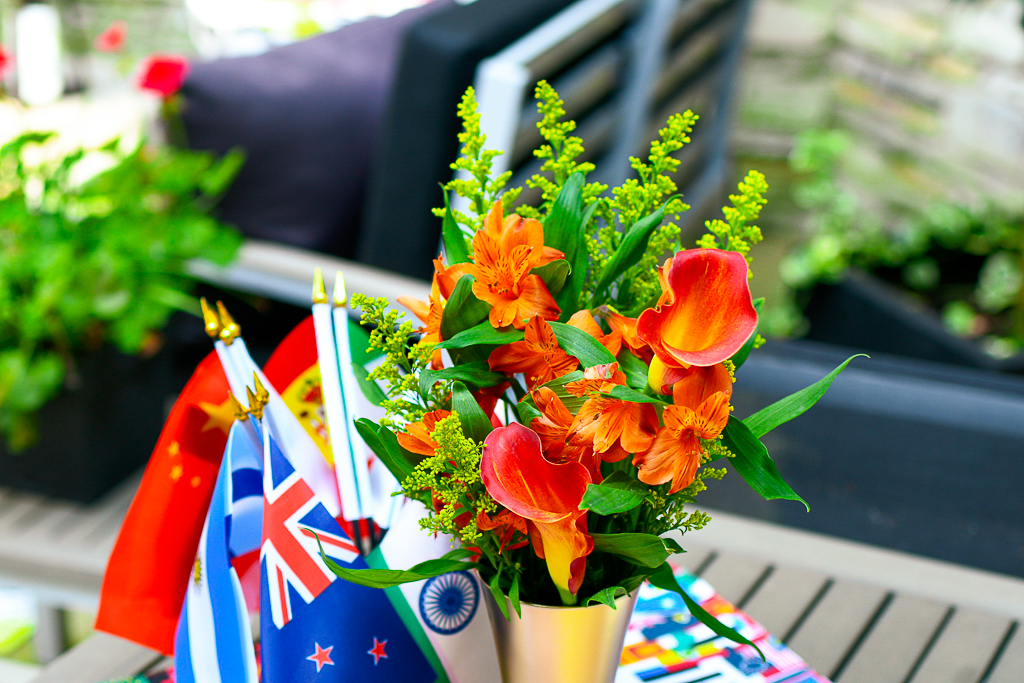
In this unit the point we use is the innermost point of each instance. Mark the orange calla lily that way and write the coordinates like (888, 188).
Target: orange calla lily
(537, 356)
(584, 320)
(416, 438)
(504, 253)
(705, 313)
(700, 411)
(517, 476)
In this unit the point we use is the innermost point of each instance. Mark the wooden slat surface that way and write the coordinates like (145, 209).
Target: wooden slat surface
(1009, 668)
(101, 657)
(783, 598)
(964, 649)
(895, 643)
(825, 637)
(733, 576)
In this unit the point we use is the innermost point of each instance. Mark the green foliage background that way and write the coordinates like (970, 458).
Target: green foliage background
(101, 260)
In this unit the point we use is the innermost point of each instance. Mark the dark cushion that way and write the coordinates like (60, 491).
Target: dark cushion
(438, 62)
(308, 116)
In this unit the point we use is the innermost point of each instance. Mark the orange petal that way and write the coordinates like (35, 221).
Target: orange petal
(695, 385)
(419, 308)
(674, 456)
(583, 320)
(534, 300)
(707, 314)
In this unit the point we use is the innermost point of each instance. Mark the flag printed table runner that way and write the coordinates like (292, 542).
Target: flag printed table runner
(664, 644)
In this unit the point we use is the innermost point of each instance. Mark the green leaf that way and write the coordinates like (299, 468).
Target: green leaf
(385, 578)
(631, 249)
(572, 403)
(513, 596)
(218, 177)
(674, 547)
(476, 373)
(627, 394)
(475, 423)
(646, 550)
(568, 299)
(373, 393)
(578, 343)
(617, 493)
(663, 578)
(499, 596)
(606, 596)
(562, 224)
(794, 405)
(554, 275)
(484, 333)
(455, 249)
(463, 309)
(635, 369)
(384, 443)
(740, 357)
(754, 464)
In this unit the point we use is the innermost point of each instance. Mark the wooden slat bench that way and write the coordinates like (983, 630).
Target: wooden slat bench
(856, 613)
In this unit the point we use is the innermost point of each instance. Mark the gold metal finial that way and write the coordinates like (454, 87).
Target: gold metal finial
(210, 319)
(230, 329)
(319, 291)
(261, 391)
(241, 412)
(340, 295)
(255, 405)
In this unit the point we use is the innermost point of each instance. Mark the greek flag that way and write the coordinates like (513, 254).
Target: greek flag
(214, 639)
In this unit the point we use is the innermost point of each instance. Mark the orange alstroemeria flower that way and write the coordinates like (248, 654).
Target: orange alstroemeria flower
(701, 411)
(508, 523)
(553, 429)
(612, 427)
(517, 476)
(441, 289)
(626, 327)
(416, 438)
(705, 313)
(537, 356)
(504, 253)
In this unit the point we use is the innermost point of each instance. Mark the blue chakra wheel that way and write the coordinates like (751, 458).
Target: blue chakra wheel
(448, 602)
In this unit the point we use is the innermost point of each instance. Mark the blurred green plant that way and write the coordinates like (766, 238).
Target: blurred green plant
(92, 251)
(966, 262)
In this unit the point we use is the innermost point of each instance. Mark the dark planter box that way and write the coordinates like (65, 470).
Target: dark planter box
(92, 438)
(919, 457)
(866, 313)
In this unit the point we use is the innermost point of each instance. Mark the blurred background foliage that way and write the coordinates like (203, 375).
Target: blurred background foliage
(92, 251)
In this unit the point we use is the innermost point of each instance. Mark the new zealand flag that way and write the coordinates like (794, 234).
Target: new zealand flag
(314, 626)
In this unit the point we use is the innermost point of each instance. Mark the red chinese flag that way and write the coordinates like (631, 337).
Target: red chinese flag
(144, 585)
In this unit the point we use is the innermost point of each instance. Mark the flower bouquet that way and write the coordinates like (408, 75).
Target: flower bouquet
(568, 394)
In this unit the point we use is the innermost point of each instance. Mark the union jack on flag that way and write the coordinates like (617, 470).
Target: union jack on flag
(290, 510)
(313, 625)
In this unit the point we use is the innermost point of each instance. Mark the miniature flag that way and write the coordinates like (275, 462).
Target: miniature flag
(313, 625)
(149, 568)
(448, 608)
(214, 640)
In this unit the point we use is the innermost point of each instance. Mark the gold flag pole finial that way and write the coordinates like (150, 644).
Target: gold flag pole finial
(319, 291)
(230, 329)
(210, 319)
(241, 412)
(261, 391)
(255, 405)
(340, 295)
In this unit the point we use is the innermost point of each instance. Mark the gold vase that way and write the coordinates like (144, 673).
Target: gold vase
(560, 644)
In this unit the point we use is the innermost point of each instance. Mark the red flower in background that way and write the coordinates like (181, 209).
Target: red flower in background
(163, 74)
(113, 37)
(6, 61)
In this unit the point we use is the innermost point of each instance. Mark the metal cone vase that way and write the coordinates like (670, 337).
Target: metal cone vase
(561, 644)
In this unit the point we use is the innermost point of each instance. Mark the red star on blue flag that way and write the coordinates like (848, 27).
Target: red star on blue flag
(322, 657)
(378, 650)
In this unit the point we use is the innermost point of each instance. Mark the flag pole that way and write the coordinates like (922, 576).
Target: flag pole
(334, 405)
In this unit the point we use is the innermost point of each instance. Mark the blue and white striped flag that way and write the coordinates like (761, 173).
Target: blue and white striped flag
(214, 641)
